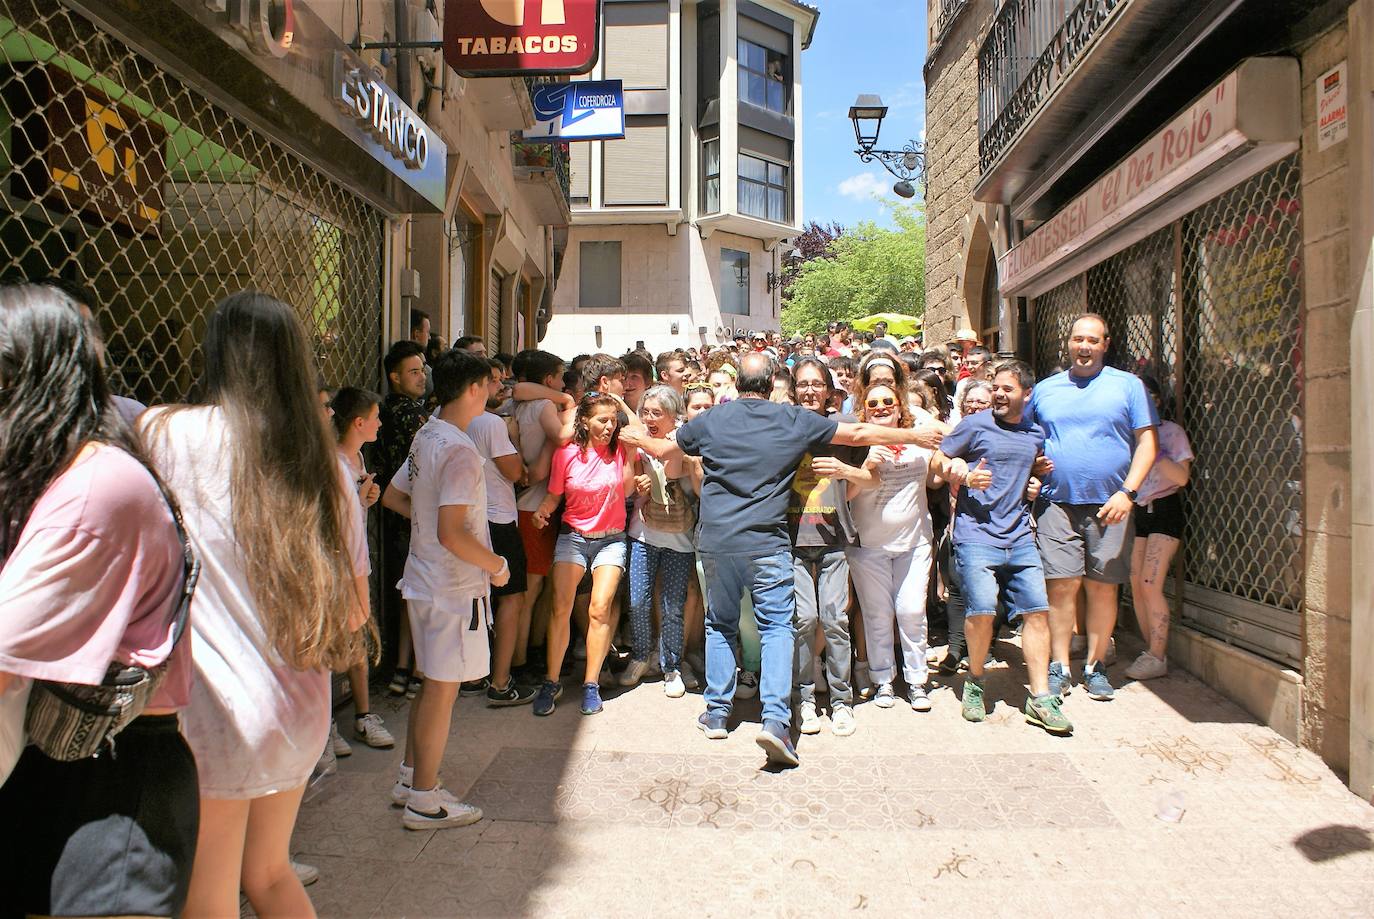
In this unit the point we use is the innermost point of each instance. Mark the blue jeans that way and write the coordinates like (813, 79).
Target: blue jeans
(768, 578)
(646, 561)
(1013, 576)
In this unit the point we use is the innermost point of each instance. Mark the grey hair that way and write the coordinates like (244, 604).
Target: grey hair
(667, 398)
(976, 384)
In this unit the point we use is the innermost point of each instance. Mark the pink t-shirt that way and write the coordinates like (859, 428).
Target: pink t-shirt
(592, 486)
(95, 578)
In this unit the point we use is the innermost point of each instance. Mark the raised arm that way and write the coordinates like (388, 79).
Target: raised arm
(662, 448)
(928, 435)
(531, 392)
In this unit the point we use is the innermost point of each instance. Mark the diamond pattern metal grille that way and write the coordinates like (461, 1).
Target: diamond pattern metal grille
(116, 174)
(1229, 364)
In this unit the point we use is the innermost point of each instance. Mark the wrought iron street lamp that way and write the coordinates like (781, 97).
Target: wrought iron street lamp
(775, 280)
(907, 164)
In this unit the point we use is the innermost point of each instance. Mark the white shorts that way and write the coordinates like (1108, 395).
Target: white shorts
(450, 638)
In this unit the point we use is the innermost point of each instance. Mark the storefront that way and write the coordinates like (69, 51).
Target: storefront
(118, 172)
(1192, 250)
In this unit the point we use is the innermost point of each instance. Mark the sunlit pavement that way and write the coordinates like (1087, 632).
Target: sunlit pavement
(633, 813)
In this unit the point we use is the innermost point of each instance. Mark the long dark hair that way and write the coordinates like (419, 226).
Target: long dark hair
(54, 399)
(582, 434)
(287, 511)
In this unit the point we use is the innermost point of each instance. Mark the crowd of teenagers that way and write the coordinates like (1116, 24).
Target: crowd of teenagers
(775, 519)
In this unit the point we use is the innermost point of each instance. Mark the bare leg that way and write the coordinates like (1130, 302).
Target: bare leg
(412, 724)
(268, 879)
(601, 617)
(693, 619)
(218, 866)
(357, 681)
(1035, 647)
(1149, 567)
(430, 728)
(405, 656)
(566, 576)
(1101, 618)
(1063, 594)
(1080, 612)
(978, 634)
(503, 640)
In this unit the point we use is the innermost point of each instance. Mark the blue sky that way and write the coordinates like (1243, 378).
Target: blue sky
(875, 46)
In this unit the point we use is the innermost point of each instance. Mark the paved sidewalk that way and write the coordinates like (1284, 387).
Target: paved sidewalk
(633, 813)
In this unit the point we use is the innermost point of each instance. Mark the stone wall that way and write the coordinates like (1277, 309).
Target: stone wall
(1328, 316)
(951, 167)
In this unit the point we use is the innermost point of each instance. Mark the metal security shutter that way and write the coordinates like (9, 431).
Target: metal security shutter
(635, 170)
(636, 50)
(1228, 361)
(119, 175)
(491, 332)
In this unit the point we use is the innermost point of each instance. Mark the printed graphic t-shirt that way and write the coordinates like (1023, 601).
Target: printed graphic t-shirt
(817, 509)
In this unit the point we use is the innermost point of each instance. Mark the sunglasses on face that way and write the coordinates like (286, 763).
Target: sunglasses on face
(884, 402)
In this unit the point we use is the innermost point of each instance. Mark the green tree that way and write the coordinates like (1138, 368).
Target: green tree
(872, 269)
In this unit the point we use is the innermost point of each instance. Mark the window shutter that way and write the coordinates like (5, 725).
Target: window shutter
(636, 168)
(580, 166)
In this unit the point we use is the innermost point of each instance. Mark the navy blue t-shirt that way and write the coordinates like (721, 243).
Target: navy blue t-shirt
(997, 516)
(750, 449)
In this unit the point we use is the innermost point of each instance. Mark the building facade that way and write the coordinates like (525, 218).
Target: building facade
(168, 154)
(1201, 176)
(678, 230)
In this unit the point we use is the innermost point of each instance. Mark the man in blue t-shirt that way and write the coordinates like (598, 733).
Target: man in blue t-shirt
(993, 454)
(1100, 435)
(750, 449)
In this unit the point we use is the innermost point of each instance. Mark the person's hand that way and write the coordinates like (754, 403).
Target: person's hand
(828, 467)
(541, 519)
(979, 477)
(1033, 488)
(1042, 466)
(958, 472)
(929, 437)
(633, 437)
(881, 454)
(500, 578)
(1116, 510)
(368, 490)
(643, 484)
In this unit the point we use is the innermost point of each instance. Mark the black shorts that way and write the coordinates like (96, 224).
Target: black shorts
(112, 835)
(506, 542)
(1163, 516)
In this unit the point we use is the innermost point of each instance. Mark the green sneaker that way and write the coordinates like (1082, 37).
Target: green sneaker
(1045, 712)
(973, 701)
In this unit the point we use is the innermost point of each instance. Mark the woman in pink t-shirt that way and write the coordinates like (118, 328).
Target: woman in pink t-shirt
(91, 572)
(593, 476)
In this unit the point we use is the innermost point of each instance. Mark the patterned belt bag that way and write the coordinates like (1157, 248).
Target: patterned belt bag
(72, 721)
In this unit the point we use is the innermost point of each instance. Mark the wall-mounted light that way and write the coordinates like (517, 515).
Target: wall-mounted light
(908, 164)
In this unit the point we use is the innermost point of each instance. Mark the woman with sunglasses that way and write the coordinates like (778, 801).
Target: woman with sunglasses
(593, 474)
(891, 562)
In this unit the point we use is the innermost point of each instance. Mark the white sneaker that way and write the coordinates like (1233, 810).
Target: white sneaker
(400, 792)
(432, 809)
(920, 702)
(818, 668)
(863, 684)
(306, 874)
(746, 685)
(1147, 667)
(373, 732)
(336, 741)
(328, 763)
(810, 721)
(673, 687)
(634, 673)
(885, 697)
(842, 722)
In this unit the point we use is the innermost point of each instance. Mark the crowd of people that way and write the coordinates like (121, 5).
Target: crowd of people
(785, 519)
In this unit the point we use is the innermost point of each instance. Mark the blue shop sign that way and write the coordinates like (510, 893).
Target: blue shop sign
(586, 110)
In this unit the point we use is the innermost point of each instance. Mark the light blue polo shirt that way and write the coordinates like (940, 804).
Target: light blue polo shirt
(1090, 425)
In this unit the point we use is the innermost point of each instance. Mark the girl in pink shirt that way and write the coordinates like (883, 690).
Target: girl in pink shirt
(592, 475)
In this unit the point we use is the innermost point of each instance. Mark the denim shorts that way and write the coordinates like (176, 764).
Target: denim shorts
(990, 573)
(576, 549)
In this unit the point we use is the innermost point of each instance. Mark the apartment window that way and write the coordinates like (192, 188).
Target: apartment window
(762, 188)
(762, 76)
(734, 282)
(710, 176)
(598, 277)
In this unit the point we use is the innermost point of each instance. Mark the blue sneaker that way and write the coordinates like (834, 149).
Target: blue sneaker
(1061, 679)
(549, 691)
(713, 726)
(776, 742)
(1095, 683)
(591, 698)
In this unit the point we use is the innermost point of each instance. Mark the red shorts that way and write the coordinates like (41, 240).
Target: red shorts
(538, 543)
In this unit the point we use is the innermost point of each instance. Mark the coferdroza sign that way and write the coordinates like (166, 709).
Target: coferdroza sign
(485, 38)
(390, 129)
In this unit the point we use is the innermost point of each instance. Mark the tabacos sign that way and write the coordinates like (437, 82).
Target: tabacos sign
(486, 38)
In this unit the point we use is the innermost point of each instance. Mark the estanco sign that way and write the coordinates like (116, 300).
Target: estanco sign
(1250, 117)
(485, 38)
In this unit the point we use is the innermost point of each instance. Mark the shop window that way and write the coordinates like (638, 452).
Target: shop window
(762, 189)
(734, 282)
(598, 280)
(762, 76)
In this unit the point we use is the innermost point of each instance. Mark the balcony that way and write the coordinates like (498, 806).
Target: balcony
(543, 168)
(943, 14)
(1065, 89)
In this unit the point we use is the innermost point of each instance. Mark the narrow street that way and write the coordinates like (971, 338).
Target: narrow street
(632, 812)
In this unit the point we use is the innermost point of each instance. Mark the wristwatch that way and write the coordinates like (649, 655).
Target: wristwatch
(1130, 493)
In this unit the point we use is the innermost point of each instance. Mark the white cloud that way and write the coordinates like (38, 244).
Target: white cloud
(862, 187)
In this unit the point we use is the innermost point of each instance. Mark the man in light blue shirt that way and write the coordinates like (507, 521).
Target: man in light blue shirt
(1100, 434)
